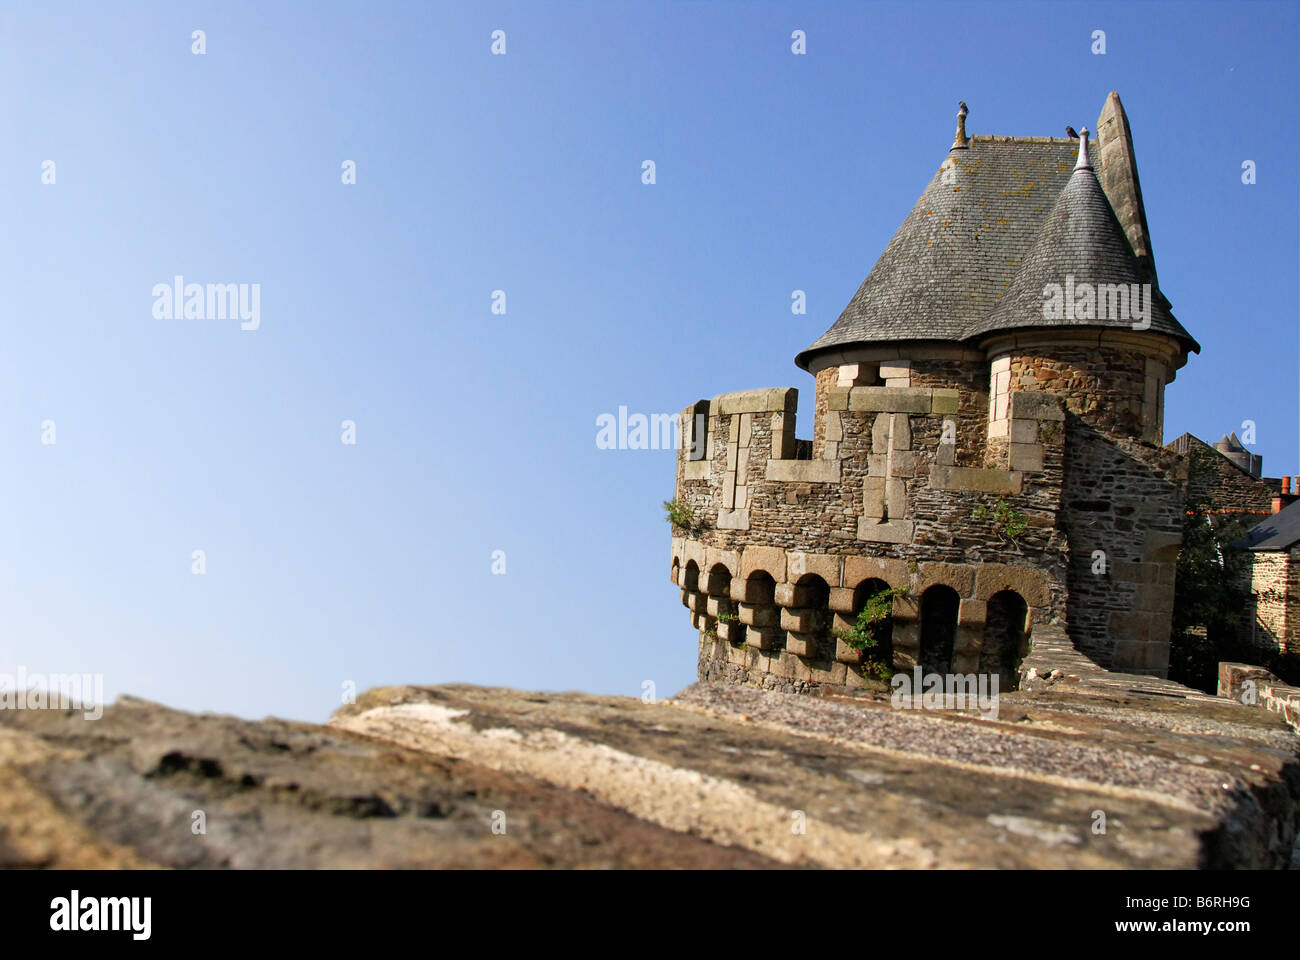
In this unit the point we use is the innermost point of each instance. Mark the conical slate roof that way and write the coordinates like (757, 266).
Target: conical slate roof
(1081, 242)
(1001, 218)
(958, 249)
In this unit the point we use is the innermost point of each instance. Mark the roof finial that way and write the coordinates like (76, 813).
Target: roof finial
(1083, 163)
(960, 140)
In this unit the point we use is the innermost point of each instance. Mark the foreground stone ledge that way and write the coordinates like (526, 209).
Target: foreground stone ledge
(410, 776)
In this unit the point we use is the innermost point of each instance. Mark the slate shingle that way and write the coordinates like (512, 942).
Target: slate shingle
(957, 255)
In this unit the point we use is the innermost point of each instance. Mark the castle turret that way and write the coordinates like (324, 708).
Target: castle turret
(985, 441)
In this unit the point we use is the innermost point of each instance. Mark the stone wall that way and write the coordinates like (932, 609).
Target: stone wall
(1275, 588)
(1122, 511)
(1118, 390)
(1216, 480)
(887, 492)
(904, 469)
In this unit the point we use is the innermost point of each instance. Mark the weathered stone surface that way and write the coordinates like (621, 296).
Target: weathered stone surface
(974, 480)
(1031, 584)
(892, 399)
(887, 787)
(804, 471)
(120, 792)
(775, 399)
(1036, 406)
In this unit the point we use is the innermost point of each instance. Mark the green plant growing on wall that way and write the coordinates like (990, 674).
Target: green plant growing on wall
(727, 618)
(680, 515)
(872, 625)
(1008, 522)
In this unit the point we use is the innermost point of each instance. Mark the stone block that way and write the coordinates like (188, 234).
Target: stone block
(1026, 457)
(834, 674)
(999, 429)
(895, 369)
(803, 471)
(1001, 407)
(891, 399)
(717, 606)
(903, 464)
(853, 679)
(975, 480)
(945, 400)
(696, 469)
(945, 454)
(880, 434)
(827, 567)
(698, 602)
(895, 498)
(1135, 627)
(1036, 406)
(877, 464)
(801, 645)
(731, 632)
(770, 560)
(783, 440)
(733, 430)
(773, 400)
(972, 613)
(834, 427)
(782, 664)
(733, 519)
(742, 497)
(837, 398)
(1155, 541)
(792, 595)
(713, 556)
(763, 638)
(1024, 431)
(901, 432)
(1031, 584)
(746, 428)
(1000, 364)
(759, 615)
(1130, 655)
(841, 599)
(846, 654)
(855, 374)
(959, 576)
(893, 572)
(892, 531)
(873, 498)
(800, 619)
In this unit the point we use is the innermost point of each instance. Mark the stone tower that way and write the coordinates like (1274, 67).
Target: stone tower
(986, 440)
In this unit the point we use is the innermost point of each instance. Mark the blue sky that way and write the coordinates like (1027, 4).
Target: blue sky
(372, 563)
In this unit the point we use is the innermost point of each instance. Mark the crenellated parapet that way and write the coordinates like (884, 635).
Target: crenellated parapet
(786, 550)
